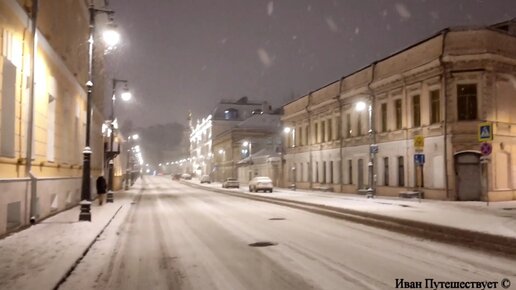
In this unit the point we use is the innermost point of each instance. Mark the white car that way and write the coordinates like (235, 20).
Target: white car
(205, 179)
(231, 182)
(260, 183)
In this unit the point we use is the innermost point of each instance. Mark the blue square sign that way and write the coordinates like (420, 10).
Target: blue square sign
(419, 158)
(485, 131)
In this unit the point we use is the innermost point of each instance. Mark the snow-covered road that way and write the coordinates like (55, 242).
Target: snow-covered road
(177, 237)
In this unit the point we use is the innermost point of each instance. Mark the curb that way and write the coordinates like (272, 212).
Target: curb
(500, 245)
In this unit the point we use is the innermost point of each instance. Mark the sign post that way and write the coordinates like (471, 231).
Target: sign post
(485, 134)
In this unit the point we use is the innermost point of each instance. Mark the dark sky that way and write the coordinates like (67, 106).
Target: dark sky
(189, 54)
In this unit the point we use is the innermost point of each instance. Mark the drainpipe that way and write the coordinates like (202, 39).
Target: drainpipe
(30, 121)
(310, 171)
(372, 128)
(341, 138)
(445, 125)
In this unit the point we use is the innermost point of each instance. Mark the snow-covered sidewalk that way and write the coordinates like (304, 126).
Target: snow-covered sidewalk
(497, 218)
(39, 257)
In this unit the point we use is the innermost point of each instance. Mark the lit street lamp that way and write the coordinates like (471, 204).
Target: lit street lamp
(373, 147)
(85, 214)
(111, 154)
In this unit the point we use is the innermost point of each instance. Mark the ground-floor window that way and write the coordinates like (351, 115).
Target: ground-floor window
(386, 171)
(401, 171)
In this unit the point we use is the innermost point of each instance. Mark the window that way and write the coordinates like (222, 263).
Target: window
(348, 124)
(397, 109)
(350, 171)
(300, 136)
(435, 107)
(330, 133)
(338, 121)
(401, 171)
(383, 116)
(231, 114)
(301, 172)
(316, 133)
(8, 115)
(386, 171)
(467, 102)
(359, 124)
(416, 111)
(331, 172)
(306, 135)
(323, 131)
(323, 172)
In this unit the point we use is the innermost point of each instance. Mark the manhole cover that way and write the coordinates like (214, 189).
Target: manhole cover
(263, 244)
(277, 219)
(404, 205)
(509, 208)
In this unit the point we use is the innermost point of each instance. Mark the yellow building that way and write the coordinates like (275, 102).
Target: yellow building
(428, 100)
(60, 73)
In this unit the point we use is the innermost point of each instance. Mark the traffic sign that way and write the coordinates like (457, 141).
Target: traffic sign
(373, 148)
(485, 131)
(486, 148)
(419, 142)
(419, 158)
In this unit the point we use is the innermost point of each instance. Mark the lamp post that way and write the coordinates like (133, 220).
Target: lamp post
(128, 172)
(288, 131)
(373, 147)
(85, 214)
(126, 95)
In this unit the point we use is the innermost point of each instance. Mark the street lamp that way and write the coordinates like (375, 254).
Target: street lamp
(125, 95)
(85, 214)
(373, 147)
(128, 169)
(288, 131)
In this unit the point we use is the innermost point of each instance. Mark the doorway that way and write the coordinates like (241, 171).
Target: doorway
(468, 176)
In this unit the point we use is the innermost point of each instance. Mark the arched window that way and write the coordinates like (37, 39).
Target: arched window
(230, 114)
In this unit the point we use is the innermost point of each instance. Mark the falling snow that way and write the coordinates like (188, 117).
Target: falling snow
(357, 30)
(331, 24)
(270, 8)
(265, 59)
(403, 11)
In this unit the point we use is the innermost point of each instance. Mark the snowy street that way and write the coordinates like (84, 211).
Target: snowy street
(177, 237)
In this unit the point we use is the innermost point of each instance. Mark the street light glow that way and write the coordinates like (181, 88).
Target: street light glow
(126, 96)
(287, 130)
(111, 37)
(246, 143)
(135, 137)
(360, 106)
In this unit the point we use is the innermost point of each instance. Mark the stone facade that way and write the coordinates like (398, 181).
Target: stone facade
(442, 89)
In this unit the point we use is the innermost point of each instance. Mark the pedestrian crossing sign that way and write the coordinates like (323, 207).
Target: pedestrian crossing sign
(485, 131)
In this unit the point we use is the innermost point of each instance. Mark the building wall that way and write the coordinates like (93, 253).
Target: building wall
(60, 71)
(424, 78)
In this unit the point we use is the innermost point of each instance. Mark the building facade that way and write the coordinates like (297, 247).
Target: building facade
(52, 182)
(226, 115)
(437, 92)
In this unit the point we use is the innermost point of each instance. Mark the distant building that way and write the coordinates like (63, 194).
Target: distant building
(226, 115)
(438, 90)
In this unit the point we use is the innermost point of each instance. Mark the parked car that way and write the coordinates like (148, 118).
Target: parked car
(186, 176)
(176, 176)
(205, 179)
(231, 182)
(260, 183)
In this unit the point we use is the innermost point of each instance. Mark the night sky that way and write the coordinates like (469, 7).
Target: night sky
(187, 55)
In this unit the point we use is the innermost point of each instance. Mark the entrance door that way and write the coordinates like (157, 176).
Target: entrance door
(468, 175)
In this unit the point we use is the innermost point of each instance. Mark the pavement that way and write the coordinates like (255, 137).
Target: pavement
(51, 248)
